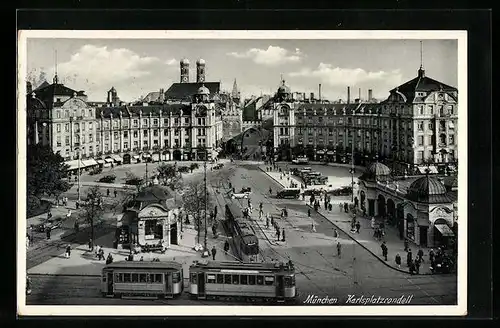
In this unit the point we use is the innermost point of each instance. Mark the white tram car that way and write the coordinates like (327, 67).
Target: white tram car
(253, 281)
(142, 279)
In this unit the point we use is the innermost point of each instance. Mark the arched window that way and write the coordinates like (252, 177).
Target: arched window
(442, 139)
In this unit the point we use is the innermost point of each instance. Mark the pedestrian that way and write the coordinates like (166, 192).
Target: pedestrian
(109, 259)
(409, 258)
(339, 249)
(215, 211)
(142, 259)
(356, 201)
(330, 207)
(107, 192)
(411, 267)
(358, 226)
(101, 253)
(270, 191)
(417, 266)
(214, 251)
(420, 255)
(115, 192)
(90, 244)
(373, 224)
(346, 207)
(77, 227)
(226, 246)
(308, 212)
(384, 250)
(214, 231)
(278, 233)
(68, 251)
(406, 245)
(283, 233)
(431, 255)
(48, 233)
(28, 242)
(398, 260)
(336, 235)
(340, 207)
(272, 221)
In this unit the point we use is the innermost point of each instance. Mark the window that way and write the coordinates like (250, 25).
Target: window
(145, 122)
(66, 140)
(58, 141)
(211, 278)
(125, 145)
(421, 110)
(115, 135)
(431, 126)
(269, 280)
(194, 278)
(58, 114)
(125, 134)
(66, 113)
(420, 140)
(118, 277)
(251, 280)
(450, 109)
(135, 277)
(126, 277)
(227, 279)
(244, 279)
(58, 127)
(83, 126)
(186, 120)
(165, 121)
(142, 278)
(431, 109)
(420, 126)
(441, 111)
(236, 279)
(155, 133)
(359, 121)
(136, 122)
(260, 280)
(155, 121)
(220, 278)
(145, 133)
(451, 139)
(115, 146)
(106, 147)
(153, 230)
(165, 133)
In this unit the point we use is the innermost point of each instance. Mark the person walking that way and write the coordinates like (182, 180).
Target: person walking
(384, 250)
(101, 253)
(214, 251)
(330, 207)
(398, 260)
(372, 224)
(309, 212)
(109, 259)
(406, 245)
(420, 255)
(90, 244)
(417, 265)
(214, 230)
(68, 251)
(336, 235)
(48, 233)
(340, 207)
(409, 258)
(115, 192)
(267, 221)
(270, 191)
(283, 233)
(278, 233)
(339, 249)
(107, 192)
(77, 226)
(358, 226)
(226, 246)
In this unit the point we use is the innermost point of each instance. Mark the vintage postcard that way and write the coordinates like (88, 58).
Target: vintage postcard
(242, 173)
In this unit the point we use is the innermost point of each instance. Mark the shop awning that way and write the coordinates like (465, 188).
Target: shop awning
(320, 152)
(108, 160)
(444, 230)
(73, 165)
(146, 155)
(100, 161)
(90, 162)
(432, 169)
(117, 158)
(136, 156)
(330, 152)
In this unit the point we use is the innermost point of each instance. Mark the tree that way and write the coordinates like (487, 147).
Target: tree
(171, 176)
(195, 200)
(45, 172)
(92, 209)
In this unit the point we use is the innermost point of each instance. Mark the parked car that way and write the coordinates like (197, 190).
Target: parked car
(239, 196)
(218, 166)
(108, 179)
(49, 224)
(289, 193)
(246, 190)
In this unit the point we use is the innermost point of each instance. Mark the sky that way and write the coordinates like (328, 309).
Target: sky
(136, 67)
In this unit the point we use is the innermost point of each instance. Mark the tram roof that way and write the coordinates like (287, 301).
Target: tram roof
(234, 265)
(144, 265)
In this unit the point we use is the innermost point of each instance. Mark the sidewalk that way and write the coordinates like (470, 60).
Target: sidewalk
(365, 238)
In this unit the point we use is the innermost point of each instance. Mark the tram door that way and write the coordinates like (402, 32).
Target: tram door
(110, 282)
(280, 286)
(201, 285)
(168, 284)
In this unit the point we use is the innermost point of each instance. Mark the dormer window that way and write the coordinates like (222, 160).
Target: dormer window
(58, 100)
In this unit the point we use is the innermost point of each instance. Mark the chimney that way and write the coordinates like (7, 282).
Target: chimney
(348, 95)
(356, 101)
(370, 94)
(312, 96)
(359, 96)
(162, 95)
(319, 92)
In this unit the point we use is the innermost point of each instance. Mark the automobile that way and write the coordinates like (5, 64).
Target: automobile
(300, 160)
(218, 166)
(246, 190)
(240, 196)
(289, 193)
(49, 224)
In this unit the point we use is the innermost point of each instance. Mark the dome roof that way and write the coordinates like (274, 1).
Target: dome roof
(429, 190)
(200, 61)
(185, 61)
(203, 90)
(378, 169)
(283, 88)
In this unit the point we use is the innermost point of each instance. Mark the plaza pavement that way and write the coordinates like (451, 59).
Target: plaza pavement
(365, 237)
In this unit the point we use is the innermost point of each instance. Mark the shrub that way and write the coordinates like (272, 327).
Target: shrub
(108, 179)
(183, 169)
(194, 166)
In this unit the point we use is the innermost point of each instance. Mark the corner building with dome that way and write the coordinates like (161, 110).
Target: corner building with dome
(423, 208)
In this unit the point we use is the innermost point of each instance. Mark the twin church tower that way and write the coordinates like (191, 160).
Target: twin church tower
(200, 70)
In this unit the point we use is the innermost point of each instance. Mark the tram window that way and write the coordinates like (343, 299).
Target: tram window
(288, 281)
(158, 278)
(236, 279)
(251, 280)
(142, 278)
(135, 277)
(193, 278)
(269, 281)
(227, 279)
(260, 280)
(244, 279)
(176, 277)
(126, 277)
(210, 278)
(220, 278)
(118, 277)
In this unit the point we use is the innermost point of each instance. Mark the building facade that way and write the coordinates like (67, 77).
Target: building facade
(414, 129)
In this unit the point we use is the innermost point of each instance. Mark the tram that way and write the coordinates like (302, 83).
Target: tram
(248, 281)
(142, 279)
(246, 244)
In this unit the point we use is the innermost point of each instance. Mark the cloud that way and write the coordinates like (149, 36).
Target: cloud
(171, 62)
(271, 56)
(337, 76)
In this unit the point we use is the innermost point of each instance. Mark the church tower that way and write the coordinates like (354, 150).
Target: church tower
(184, 70)
(235, 94)
(200, 71)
